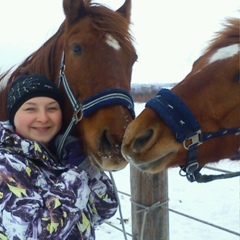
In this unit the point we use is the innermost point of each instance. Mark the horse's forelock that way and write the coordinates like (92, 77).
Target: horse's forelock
(229, 35)
(104, 20)
(113, 23)
(227, 38)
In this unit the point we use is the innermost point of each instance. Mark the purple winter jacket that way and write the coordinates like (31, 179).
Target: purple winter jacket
(40, 199)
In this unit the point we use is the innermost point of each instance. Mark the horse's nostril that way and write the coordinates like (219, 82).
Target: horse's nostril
(143, 140)
(105, 143)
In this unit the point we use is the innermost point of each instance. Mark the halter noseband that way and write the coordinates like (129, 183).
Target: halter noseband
(89, 106)
(187, 131)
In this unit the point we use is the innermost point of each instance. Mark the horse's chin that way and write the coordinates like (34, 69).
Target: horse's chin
(108, 163)
(156, 166)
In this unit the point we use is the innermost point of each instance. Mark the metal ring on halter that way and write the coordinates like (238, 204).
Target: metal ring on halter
(75, 115)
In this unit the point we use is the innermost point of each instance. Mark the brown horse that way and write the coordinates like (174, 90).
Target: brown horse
(198, 121)
(97, 64)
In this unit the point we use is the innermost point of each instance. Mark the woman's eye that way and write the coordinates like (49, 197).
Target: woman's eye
(53, 109)
(30, 109)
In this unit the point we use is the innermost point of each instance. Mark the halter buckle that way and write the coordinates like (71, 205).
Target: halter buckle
(193, 140)
(75, 115)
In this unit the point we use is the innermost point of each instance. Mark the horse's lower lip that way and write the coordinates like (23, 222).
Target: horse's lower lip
(147, 166)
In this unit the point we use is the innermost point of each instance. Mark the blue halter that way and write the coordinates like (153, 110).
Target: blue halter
(187, 131)
(91, 105)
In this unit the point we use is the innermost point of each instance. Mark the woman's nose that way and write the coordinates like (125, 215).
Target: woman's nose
(42, 116)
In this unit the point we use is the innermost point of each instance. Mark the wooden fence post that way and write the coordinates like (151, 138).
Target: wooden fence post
(147, 190)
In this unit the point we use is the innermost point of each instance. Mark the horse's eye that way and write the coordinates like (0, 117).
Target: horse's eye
(77, 49)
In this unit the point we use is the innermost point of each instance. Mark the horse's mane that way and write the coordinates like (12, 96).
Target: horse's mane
(229, 35)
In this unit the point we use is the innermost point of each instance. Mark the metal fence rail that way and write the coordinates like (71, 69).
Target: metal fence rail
(181, 213)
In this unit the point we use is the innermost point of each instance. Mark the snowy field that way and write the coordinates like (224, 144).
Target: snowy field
(216, 202)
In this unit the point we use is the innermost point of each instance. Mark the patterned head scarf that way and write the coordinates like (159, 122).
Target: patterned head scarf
(27, 87)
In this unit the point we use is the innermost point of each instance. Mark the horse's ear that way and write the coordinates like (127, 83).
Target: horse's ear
(125, 9)
(74, 9)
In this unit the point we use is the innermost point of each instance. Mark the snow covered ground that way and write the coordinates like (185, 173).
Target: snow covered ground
(216, 202)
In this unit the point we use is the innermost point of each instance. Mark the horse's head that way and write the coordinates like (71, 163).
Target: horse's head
(99, 56)
(154, 140)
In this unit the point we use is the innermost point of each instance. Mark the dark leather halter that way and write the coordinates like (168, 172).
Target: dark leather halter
(187, 131)
(89, 106)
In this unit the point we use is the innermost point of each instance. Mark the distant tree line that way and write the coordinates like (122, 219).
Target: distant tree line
(144, 92)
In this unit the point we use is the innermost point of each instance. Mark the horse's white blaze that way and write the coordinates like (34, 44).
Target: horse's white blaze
(224, 53)
(112, 42)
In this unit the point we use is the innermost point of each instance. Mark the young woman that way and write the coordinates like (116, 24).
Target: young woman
(40, 197)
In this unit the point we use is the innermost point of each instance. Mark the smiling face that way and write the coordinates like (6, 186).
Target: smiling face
(38, 119)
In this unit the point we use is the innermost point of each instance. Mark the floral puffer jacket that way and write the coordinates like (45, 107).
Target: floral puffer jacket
(40, 199)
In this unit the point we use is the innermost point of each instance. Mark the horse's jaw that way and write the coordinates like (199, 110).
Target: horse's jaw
(108, 163)
(102, 135)
(151, 162)
(149, 146)
(107, 159)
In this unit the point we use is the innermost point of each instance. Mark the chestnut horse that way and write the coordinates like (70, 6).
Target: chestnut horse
(96, 70)
(198, 121)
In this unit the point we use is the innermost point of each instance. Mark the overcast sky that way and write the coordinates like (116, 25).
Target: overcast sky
(169, 35)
